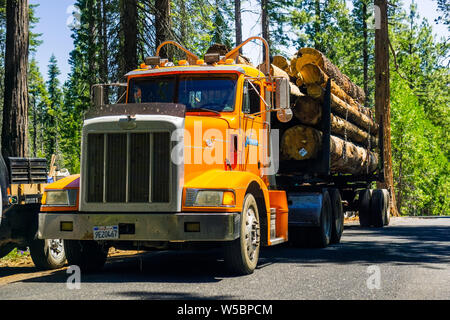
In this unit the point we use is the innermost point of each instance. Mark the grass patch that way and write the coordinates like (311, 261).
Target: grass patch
(16, 254)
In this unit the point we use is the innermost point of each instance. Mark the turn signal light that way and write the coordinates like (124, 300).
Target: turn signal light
(228, 199)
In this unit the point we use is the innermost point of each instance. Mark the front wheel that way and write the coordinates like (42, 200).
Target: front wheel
(89, 255)
(48, 254)
(241, 255)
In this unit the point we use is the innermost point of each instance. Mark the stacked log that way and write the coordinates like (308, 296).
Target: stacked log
(353, 131)
(303, 143)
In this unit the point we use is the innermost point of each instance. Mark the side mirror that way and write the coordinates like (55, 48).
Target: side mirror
(98, 95)
(282, 100)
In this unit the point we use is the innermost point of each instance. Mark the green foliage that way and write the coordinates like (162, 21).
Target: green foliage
(420, 121)
(421, 166)
(419, 75)
(39, 103)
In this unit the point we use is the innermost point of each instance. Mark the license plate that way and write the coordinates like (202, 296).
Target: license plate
(106, 232)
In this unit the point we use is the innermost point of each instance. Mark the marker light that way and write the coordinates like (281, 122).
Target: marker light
(152, 61)
(212, 58)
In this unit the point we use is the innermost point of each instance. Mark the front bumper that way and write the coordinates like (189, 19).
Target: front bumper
(144, 226)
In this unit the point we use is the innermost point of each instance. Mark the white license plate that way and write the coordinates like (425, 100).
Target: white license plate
(106, 232)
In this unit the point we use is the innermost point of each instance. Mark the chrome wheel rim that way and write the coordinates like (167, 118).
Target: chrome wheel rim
(56, 248)
(251, 233)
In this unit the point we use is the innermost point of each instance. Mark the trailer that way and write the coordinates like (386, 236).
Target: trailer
(190, 160)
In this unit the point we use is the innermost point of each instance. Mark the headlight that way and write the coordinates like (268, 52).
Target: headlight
(210, 198)
(60, 198)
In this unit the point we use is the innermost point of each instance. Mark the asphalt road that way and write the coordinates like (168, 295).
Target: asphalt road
(408, 260)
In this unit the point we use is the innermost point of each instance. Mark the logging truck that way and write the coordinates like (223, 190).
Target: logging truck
(207, 152)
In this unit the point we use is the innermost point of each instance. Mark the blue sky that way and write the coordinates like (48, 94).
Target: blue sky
(56, 36)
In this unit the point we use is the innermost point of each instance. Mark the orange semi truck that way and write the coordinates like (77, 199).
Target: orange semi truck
(191, 158)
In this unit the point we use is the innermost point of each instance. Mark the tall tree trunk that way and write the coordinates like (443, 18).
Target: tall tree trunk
(91, 51)
(365, 54)
(382, 98)
(103, 42)
(265, 23)
(162, 24)
(34, 127)
(128, 22)
(238, 22)
(15, 108)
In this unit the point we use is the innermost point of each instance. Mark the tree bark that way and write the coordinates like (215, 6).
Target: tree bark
(313, 74)
(308, 56)
(343, 109)
(365, 54)
(128, 22)
(382, 98)
(103, 68)
(162, 24)
(265, 23)
(277, 72)
(15, 108)
(303, 143)
(238, 23)
(309, 112)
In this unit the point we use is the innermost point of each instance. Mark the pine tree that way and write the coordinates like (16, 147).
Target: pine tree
(39, 104)
(51, 117)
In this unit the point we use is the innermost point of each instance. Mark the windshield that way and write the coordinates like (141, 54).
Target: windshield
(197, 92)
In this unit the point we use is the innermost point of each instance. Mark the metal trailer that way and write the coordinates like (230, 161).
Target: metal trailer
(307, 181)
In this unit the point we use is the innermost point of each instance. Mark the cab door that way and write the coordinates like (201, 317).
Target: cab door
(253, 124)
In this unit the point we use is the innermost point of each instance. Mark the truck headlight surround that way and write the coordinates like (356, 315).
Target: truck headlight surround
(66, 198)
(210, 198)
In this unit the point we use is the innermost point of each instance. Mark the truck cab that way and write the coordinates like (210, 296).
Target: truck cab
(187, 158)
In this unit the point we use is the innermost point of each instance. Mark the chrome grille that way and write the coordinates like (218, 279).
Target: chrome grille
(128, 168)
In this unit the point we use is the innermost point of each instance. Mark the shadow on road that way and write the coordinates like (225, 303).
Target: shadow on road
(427, 246)
(398, 245)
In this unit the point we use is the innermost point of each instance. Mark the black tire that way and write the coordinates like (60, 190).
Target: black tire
(387, 202)
(48, 254)
(337, 227)
(89, 255)
(378, 209)
(242, 254)
(365, 197)
(321, 236)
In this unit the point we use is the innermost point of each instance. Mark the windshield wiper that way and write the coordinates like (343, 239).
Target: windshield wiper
(204, 109)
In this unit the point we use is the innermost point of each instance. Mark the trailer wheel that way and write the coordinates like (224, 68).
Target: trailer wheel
(387, 202)
(89, 255)
(365, 197)
(241, 255)
(338, 216)
(378, 209)
(48, 254)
